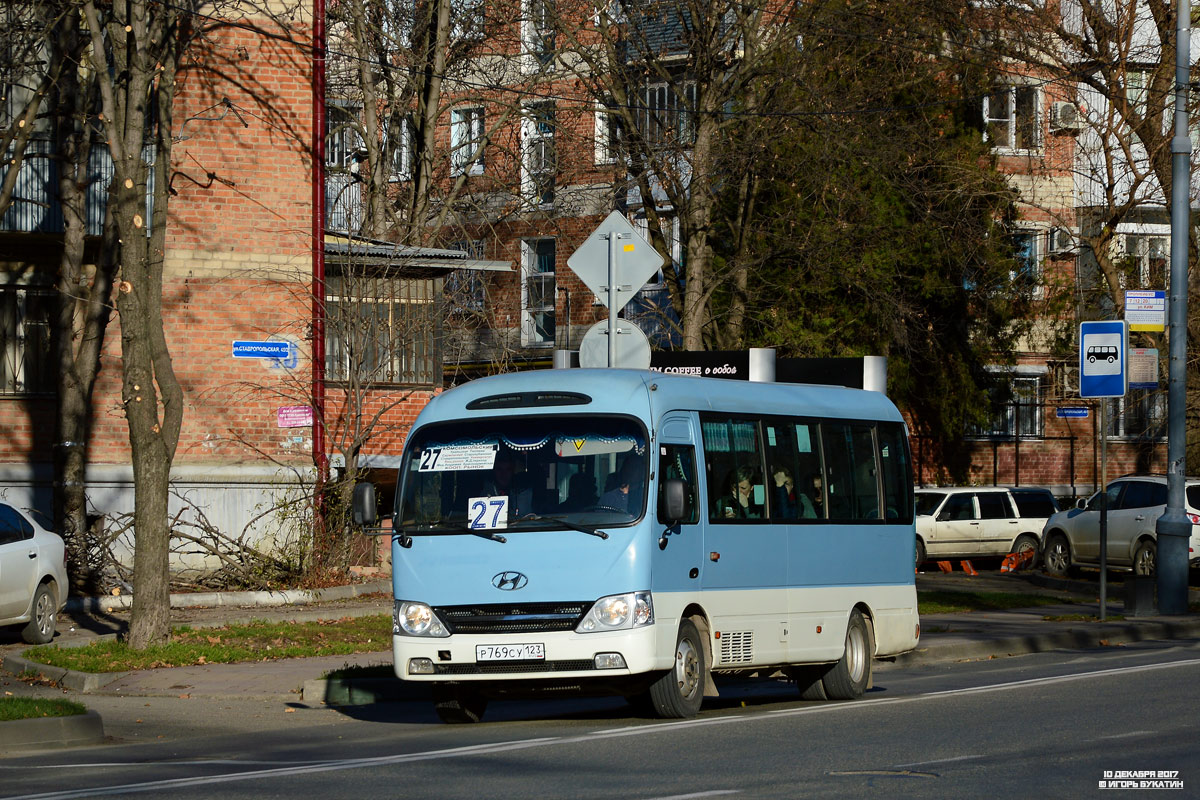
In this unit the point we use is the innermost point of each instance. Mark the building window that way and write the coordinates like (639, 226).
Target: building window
(1027, 261)
(667, 115)
(398, 141)
(344, 154)
(1020, 414)
(466, 19)
(381, 330)
(537, 292)
(465, 293)
(1137, 90)
(466, 141)
(608, 136)
(1012, 118)
(538, 33)
(26, 359)
(1141, 414)
(538, 153)
(1151, 259)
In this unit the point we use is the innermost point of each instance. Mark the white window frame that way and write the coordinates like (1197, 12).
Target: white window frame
(1011, 120)
(1143, 247)
(662, 120)
(1031, 378)
(530, 273)
(401, 164)
(538, 144)
(466, 140)
(537, 31)
(1118, 422)
(607, 136)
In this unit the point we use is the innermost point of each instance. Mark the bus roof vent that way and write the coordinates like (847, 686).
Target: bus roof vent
(529, 400)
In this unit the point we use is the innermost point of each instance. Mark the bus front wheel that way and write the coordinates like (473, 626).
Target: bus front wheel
(679, 693)
(851, 675)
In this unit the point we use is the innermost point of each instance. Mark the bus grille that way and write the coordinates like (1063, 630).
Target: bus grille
(514, 618)
(511, 668)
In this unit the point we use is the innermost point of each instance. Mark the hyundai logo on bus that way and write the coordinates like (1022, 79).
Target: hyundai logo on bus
(509, 581)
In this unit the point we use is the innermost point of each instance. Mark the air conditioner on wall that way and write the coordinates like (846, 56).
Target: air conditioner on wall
(1065, 116)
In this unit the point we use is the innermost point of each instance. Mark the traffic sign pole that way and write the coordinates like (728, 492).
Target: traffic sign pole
(614, 240)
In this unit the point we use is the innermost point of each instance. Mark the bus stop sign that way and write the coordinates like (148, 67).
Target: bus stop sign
(1103, 356)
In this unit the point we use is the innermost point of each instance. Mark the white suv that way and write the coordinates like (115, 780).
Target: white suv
(970, 521)
(1135, 502)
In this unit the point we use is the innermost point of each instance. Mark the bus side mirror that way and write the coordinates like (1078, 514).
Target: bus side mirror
(362, 507)
(674, 501)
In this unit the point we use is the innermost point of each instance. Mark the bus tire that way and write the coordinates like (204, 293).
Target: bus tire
(679, 692)
(457, 705)
(851, 675)
(808, 680)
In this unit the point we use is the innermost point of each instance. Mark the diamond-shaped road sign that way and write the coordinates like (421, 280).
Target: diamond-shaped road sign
(635, 261)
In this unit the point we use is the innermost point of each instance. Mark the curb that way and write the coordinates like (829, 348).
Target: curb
(1103, 635)
(67, 678)
(214, 599)
(363, 691)
(46, 732)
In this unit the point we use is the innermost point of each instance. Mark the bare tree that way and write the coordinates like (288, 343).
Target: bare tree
(135, 52)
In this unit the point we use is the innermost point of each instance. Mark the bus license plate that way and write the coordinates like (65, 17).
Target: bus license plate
(510, 652)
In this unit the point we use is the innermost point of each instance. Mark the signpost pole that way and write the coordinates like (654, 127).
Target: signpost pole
(1173, 527)
(613, 238)
(1103, 509)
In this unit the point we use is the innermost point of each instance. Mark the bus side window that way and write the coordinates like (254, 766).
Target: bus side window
(897, 473)
(678, 462)
(851, 474)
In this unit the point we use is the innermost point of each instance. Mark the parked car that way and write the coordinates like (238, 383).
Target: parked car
(33, 575)
(1135, 502)
(970, 521)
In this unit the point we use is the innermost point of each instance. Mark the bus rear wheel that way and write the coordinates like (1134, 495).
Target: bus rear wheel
(679, 693)
(851, 675)
(457, 705)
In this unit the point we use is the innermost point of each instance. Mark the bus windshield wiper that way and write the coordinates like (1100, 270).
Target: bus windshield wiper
(560, 521)
(459, 527)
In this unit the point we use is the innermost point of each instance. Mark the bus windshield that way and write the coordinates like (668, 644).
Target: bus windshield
(523, 473)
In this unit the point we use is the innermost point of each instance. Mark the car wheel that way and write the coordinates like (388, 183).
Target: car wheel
(920, 552)
(457, 705)
(1058, 555)
(679, 693)
(1026, 543)
(40, 629)
(1145, 558)
(851, 675)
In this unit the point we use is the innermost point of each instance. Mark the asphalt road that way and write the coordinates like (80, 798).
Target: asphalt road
(1047, 725)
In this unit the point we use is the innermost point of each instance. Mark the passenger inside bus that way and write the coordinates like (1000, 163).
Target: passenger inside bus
(789, 503)
(627, 488)
(739, 502)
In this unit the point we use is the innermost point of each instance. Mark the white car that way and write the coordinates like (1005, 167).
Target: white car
(33, 576)
(981, 521)
(1135, 502)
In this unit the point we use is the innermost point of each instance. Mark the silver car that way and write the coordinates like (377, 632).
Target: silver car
(1135, 502)
(33, 576)
(969, 521)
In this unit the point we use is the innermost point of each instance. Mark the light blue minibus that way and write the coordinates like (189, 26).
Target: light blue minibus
(635, 533)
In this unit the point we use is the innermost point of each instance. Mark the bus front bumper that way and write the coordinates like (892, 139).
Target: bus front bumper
(526, 656)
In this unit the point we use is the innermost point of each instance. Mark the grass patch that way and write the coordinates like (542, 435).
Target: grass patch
(950, 602)
(255, 641)
(14, 708)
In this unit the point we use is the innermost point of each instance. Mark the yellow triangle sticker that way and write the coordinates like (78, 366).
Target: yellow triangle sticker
(579, 443)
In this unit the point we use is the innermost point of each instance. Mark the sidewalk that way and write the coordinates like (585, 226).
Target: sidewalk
(944, 638)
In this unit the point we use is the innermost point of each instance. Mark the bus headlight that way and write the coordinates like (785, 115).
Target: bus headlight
(618, 612)
(416, 619)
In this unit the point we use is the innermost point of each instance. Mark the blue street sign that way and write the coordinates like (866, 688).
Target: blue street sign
(1103, 354)
(269, 349)
(1071, 412)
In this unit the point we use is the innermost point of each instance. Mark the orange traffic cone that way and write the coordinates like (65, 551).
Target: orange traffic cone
(1008, 563)
(945, 566)
(968, 568)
